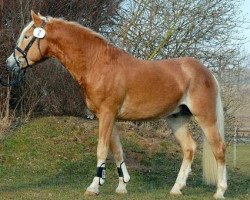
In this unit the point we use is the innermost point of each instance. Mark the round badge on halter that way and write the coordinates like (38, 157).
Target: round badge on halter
(39, 32)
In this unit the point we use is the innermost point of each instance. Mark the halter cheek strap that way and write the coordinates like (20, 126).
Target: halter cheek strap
(24, 52)
(27, 48)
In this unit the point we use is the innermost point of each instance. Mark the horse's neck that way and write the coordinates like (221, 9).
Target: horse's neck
(76, 50)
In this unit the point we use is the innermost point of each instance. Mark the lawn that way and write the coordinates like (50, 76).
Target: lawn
(54, 158)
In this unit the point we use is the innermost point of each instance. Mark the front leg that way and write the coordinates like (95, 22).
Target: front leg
(106, 122)
(116, 148)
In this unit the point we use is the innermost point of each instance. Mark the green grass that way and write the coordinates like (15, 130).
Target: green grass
(54, 158)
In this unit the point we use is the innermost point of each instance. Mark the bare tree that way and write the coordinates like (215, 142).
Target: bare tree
(207, 30)
(1, 13)
(149, 29)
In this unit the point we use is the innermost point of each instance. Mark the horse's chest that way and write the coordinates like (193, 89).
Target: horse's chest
(98, 100)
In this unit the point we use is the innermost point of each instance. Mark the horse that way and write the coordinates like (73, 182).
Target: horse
(118, 86)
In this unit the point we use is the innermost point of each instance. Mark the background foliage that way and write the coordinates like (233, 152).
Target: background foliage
(207, 30)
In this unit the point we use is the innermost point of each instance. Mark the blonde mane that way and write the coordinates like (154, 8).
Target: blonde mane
(86, 29)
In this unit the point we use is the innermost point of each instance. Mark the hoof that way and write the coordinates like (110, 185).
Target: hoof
(175, 192)
(90, 192)
(219, 196)
(121, 191)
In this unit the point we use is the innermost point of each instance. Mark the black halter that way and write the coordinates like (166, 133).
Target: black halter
(27, 48)
(21, 73)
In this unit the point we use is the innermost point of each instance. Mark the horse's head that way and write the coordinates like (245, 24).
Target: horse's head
(31, 46)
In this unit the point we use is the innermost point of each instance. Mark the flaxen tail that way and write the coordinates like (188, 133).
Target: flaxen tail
(209, 162)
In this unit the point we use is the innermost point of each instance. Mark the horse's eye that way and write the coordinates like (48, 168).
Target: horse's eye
(26, 37)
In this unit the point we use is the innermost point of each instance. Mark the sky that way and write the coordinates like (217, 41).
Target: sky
(246, 32)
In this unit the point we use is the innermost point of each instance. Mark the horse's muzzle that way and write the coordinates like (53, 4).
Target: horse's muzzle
(11, 65)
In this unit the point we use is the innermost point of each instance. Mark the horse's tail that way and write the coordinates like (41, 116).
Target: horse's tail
(209, 162)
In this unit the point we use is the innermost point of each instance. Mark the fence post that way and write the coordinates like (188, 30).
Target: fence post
(235, 147)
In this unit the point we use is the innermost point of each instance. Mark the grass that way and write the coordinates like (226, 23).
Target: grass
(54, 158)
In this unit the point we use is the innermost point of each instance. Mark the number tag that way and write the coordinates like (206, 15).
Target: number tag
(39, 32)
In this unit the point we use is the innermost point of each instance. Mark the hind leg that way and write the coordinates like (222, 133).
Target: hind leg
(212, 124)
(214, 168)
(179, 125)
(204, 101)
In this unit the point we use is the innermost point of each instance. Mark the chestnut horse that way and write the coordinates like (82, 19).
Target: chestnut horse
(119, 86)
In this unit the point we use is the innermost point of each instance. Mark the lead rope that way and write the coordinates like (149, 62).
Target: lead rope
(17, 81)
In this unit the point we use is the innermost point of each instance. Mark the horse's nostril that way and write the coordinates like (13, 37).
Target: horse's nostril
(7, 62)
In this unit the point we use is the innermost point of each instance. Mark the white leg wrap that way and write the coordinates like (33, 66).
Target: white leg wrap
(123, 178)
(123, 172)
(101, 173)
(93, 189)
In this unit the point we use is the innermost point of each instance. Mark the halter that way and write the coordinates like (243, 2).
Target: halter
(27, 48)
(22, 71)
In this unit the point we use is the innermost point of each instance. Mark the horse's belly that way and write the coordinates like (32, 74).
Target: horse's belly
(147, 109)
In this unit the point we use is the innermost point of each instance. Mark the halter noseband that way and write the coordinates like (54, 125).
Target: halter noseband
(27, 48)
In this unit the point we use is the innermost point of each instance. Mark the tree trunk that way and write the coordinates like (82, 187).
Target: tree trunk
(1, 14)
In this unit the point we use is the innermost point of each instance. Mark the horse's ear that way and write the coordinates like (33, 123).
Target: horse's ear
(39, 15)
(35, 18)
